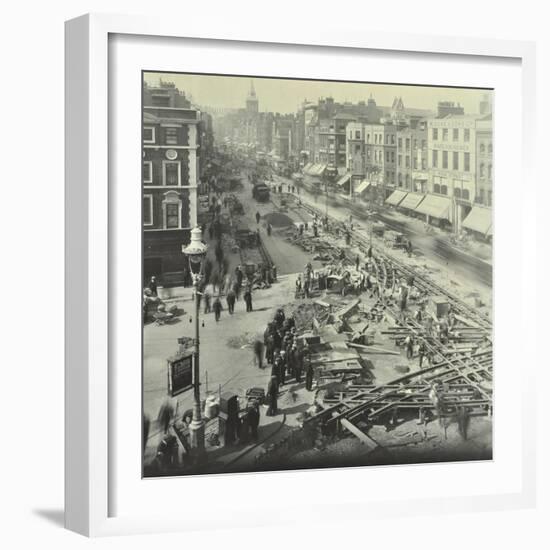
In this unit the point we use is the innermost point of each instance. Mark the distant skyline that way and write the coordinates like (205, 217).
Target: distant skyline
(286, 95)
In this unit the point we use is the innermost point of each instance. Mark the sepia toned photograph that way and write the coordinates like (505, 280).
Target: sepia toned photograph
(317, 274)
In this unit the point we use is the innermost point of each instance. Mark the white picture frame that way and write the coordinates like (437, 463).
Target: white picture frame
(89, 213)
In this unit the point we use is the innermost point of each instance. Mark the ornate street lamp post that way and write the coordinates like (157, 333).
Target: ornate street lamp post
(196, 253)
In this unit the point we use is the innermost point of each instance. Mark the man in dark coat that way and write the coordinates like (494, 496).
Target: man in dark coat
(258, 217)
(231, 301)
(269, 348)
(219, 253)
(258, 353)
(254, 420)
(279, 317)
(276, 366)
(297, 361)
(217, 307)
(290, 359)
(206, 302)
(282, 367)
(248, 299)
(239, 275)
(236, 290)
(272, 394)
(277, 339)
(153, 285)
(309, 375)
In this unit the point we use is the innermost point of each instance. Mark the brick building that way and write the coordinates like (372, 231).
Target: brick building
(172, 130)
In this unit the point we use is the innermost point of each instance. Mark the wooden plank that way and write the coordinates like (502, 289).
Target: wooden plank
(363, 437)
(372, 349)
(347, 310)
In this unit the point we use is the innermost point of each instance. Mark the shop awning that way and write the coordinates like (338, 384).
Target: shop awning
(411, 201)
(363, 186)
(319, 169)
(343, 180)
(479, 219)
(437, 207)
(396, 197)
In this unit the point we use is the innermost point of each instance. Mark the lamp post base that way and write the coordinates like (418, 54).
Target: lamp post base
(196, 438)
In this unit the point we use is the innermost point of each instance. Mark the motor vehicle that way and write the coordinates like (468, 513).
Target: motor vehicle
(260, 192)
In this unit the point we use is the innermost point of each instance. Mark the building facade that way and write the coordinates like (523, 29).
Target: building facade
(484, 156)
(458, 151)
(170, 177)
(412, 157)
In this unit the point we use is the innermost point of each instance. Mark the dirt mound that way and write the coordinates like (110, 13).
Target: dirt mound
(278, 220)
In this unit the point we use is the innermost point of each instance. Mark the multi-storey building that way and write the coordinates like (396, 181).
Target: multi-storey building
(284, 128)
(381, 159)
(484, 155)
(454, 143)
(412, 157)
(172, 132)
(355, 149)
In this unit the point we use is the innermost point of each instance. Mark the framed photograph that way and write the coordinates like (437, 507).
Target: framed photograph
(290, 270)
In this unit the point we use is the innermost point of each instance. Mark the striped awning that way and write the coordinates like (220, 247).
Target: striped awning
(396, 197)
(343, 180)
(479, 219)
(411, 201)
(363, 186)
(435, 206)
(319, 169)
(315, 169)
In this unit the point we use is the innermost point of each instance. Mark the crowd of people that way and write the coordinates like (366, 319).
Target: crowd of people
(286, 356)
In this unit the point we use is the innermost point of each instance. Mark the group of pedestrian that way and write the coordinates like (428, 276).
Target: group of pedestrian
(286, 357)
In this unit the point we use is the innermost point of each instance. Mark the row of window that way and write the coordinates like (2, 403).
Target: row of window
(459, 193)
(390, 140)
(485, 172)
(489, 148)
(378, 157)
(171, 173)
(455, 134)
(170, 135)
(379, 139)
(455, 160)
(171, 213)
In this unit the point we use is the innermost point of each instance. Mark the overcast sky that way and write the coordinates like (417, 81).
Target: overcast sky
(284, 96)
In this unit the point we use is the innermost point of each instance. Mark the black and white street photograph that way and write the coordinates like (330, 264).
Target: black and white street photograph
(317, 274)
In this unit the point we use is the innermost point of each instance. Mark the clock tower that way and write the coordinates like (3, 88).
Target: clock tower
(252, 105)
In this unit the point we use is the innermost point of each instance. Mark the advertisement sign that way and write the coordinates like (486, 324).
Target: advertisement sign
(180, 373)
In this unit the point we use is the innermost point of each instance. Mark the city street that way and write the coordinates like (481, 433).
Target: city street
(361, 333)
(435, 247)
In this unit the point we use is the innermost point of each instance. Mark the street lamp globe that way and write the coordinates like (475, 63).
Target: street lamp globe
(196, 252)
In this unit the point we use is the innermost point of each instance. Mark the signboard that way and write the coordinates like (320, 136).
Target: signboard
(180, 373)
